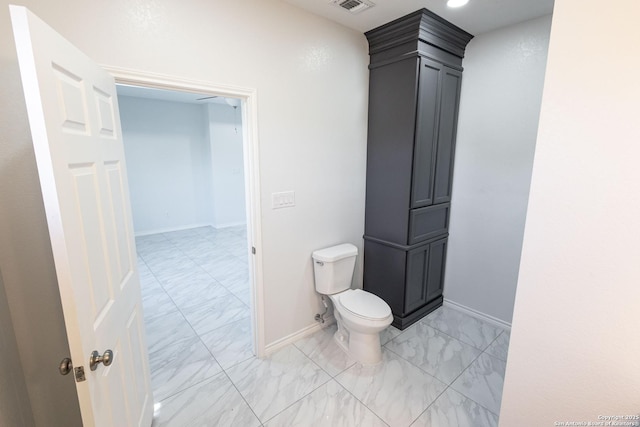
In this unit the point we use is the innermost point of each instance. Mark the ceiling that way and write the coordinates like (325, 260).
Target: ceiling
(478, 16)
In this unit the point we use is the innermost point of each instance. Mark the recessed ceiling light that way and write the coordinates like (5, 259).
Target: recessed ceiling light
(457, 3)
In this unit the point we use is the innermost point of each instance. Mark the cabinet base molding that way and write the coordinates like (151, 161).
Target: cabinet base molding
(408, 320)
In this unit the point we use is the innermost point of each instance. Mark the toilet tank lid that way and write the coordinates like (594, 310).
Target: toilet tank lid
(335, 253)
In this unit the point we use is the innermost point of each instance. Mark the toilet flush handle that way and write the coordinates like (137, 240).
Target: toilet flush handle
(320, 263)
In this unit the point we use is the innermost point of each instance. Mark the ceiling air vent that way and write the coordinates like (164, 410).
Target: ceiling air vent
(353, 6)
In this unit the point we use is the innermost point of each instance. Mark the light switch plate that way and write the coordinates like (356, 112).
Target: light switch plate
(284, 199)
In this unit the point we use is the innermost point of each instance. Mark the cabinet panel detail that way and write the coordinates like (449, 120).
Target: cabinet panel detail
(426, 134)
(429, 222)
(435, 271)
(448, 123)
(416, 286)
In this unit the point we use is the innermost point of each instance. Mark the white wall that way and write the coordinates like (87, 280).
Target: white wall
(168, 163)
(575, 342)
(227, 174)
(301, 65)
(497, 125)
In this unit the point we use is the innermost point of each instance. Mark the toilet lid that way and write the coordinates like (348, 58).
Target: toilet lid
(365, 304)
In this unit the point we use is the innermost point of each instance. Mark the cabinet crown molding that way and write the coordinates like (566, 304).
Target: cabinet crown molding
(421, 25)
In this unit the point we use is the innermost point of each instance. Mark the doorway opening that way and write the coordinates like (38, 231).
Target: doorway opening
(195, 204)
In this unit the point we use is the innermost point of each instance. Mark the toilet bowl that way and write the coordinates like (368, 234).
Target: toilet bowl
(360, 315)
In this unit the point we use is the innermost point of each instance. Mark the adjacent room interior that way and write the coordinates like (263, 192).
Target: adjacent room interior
(185, 165)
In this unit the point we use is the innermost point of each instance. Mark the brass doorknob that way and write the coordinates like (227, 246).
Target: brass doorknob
(95, 359)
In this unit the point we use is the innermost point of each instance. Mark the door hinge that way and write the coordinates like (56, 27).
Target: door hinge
(79, 373)
(253, 250)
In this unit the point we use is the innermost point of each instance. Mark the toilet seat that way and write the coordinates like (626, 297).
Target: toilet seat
(364, 305)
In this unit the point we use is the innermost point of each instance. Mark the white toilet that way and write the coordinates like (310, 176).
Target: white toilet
(361, 315)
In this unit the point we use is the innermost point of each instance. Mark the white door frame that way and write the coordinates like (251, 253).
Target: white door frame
(250, 151)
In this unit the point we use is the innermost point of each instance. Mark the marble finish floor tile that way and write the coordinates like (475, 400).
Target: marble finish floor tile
(388, 334)
(182, 234)
(151, 238)
(500, 347)
(438, 354)
(452, 409)
(230, 272)
(197, 293)
(239, 247)
(226, 238)
(395, 390)
(179, 366)
(328, 406)
(244, 296)
(216, 313)
(482, 382)
(166, 267)
(272, 384)
(214, 402)
(223, 266)
(165, 330)
(463, 327)
(206, 251)
(324, 351)
(180, 276)
(157, 303)
(236, 282)
(149, 284)
(230, 344)
(238, 229)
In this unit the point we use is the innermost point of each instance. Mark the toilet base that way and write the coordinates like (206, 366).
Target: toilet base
(363, 348)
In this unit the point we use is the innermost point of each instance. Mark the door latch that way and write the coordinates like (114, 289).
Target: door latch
(79, 372)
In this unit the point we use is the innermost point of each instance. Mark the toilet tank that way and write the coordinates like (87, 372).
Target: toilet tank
(333, 268)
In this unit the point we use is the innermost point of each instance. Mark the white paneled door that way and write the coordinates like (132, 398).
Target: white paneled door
(75, 126)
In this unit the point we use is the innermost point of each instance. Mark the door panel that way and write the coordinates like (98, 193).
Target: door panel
(448, 123)
(426, 133)
(75, 127)
(416, 286)
(435, 274)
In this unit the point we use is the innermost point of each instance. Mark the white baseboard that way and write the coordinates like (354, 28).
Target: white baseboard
(478, 315)
(291, 338)
(170, 229)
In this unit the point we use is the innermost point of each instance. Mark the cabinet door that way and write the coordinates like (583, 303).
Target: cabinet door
(390, 146)
(425, 274)
(417, 274)
(447, 125)
(435, 270)
(426, 133)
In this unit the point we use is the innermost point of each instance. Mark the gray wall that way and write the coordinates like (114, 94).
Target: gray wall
(15, 409)
(499, 109)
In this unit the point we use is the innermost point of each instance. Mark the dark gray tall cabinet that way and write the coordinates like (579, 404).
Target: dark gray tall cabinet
(414, 91)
